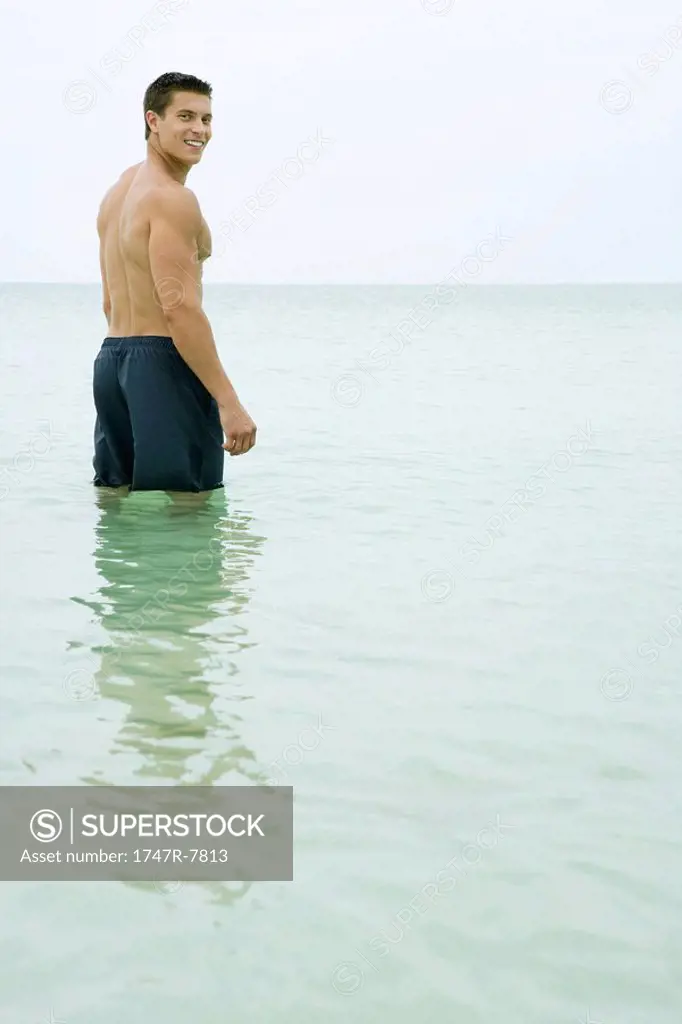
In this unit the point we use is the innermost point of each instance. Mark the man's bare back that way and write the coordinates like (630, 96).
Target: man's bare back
(162, 395)
(123, 225)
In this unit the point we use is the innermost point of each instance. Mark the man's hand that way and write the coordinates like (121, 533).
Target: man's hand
(239, 428)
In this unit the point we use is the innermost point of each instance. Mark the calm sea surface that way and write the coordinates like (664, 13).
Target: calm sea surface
(444, 605)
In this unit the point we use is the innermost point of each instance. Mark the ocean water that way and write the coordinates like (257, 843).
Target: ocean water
(445, 606)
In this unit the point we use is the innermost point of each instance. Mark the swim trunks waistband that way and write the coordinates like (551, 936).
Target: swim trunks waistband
(151, 340)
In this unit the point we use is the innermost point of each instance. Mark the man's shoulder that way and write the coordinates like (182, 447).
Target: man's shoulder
(173, 193)
(174, 205)
(163, 199)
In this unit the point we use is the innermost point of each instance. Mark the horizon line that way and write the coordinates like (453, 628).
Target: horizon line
(383, 284)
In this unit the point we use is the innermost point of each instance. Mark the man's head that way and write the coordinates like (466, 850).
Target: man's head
(177, 112)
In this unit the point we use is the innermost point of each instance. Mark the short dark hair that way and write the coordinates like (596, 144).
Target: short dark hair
(159, 94)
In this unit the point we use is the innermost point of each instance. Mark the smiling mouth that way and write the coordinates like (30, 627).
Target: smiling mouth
(194, 143)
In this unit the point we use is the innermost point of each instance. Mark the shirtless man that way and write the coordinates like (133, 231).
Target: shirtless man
(166, 410)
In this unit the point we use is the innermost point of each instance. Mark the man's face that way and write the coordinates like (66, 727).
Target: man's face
(187, 121)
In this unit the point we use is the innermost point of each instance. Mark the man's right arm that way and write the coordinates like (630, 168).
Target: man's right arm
(174, 223)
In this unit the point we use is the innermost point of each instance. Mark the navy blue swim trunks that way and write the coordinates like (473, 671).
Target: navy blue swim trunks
(157, 427)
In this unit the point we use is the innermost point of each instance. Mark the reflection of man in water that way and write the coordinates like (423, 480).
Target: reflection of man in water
(174, 585)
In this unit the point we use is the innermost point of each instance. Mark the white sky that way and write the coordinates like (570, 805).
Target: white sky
(444, 127)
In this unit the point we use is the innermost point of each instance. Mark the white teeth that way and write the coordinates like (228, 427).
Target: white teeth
(196, 145)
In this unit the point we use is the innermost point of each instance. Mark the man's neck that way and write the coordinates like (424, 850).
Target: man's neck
(173, 168)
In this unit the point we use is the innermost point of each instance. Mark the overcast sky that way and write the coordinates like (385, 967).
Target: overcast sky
(388, 138)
